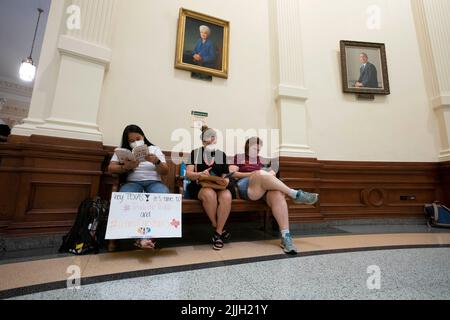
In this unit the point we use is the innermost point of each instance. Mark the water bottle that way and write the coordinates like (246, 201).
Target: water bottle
(186, 181)
(183, 169)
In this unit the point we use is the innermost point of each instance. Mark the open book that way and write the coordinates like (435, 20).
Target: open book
(138, 153)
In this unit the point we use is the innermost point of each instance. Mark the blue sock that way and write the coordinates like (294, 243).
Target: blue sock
(293, 193)
(284, 233)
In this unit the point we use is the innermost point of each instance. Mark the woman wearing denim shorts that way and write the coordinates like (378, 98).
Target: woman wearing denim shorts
(255, 183)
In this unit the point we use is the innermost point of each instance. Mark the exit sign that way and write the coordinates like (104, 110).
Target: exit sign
(200, 114)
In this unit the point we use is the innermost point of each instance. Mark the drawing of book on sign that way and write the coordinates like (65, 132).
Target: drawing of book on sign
(138, 153)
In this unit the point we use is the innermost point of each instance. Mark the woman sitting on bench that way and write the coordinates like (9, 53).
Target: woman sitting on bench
(205, 162)
(255, 183)
(140, 176)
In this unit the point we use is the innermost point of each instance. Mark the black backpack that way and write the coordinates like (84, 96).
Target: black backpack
(88, 233)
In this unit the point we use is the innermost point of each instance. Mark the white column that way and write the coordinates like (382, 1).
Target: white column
(291, 92)
(433, 28)
(83, 56)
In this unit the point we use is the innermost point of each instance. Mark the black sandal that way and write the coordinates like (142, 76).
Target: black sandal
(217, 242)
(225, 235)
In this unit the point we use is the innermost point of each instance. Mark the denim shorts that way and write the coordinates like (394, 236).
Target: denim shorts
(242, 185)
(151, 186)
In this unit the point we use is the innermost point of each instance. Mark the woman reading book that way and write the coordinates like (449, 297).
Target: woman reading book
(207, 170)
(141, 173)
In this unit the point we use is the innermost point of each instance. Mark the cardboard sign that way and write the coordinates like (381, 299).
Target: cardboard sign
(144, 216)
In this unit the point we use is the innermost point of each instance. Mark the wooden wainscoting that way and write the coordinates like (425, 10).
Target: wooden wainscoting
(43, 181)
(444, 174)
(358, 190)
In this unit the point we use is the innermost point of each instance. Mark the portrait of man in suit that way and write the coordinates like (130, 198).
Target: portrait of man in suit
(364, 68)
(368, 75)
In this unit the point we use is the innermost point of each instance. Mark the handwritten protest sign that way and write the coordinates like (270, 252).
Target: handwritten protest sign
(144, 216)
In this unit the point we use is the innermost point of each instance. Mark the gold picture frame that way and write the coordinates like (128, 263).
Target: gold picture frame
(211, 41)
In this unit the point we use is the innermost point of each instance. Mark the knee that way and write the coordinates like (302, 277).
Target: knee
(225, 197)
(208, 195)
(260, 173)
(162, 188)
(275, 197)
(131, 187)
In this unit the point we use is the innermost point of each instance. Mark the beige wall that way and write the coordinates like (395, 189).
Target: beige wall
(142, 86)
(399, 127)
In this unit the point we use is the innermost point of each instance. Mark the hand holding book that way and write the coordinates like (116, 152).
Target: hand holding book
(130, 165)
(152, 159)
(138, 154)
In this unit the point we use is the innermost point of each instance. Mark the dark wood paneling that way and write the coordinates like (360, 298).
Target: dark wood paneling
(352, 190)
(43, 180)
(444, 172)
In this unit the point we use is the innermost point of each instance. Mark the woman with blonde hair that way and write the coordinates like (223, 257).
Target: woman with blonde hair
(208, 161)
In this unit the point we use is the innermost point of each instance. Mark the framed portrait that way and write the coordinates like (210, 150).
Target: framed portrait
(364, 68)
(202, 44)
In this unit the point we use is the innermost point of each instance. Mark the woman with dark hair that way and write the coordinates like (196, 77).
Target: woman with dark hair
(209, 161)
(141, 176)
(256, 183)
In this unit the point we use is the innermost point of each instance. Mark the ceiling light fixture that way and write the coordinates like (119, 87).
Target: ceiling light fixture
(27, 70)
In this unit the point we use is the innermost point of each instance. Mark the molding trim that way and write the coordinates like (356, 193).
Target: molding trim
(293, 92)
(59, 128)
(85, 50)
(296, 151)
(444, 155)
(442, 102)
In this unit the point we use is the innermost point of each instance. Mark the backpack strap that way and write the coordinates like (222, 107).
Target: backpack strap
(436, 211)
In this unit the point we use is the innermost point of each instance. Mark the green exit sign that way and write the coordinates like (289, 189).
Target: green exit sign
(199, 114)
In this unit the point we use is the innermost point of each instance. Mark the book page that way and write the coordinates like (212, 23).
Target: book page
(140, 153)
(124, 154)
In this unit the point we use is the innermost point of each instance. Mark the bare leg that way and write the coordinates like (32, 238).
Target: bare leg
(223, 210)
(208, 197)
(277, 202)
(261, 182)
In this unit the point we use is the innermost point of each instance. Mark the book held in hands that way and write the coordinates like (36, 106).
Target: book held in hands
(138, 154)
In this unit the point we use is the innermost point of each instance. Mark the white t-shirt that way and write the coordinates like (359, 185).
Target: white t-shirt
(146, 170)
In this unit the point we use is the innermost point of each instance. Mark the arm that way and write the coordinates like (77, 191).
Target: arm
(194, 176)
(366, 80)
(161, 167)
(370, 78)
(117, 168)
(237, 174)
(197, 48)
(210, 54)
(159, 160)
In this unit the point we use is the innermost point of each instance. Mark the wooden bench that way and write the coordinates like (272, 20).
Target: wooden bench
(110, 183)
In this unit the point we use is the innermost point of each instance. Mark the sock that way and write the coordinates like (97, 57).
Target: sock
(293, 193)
(284, 233)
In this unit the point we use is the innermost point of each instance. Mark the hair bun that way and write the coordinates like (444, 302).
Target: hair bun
(205, 128)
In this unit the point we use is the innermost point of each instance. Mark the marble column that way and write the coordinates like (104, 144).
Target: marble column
(433, 29)
(291, 92)
(71, 71)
